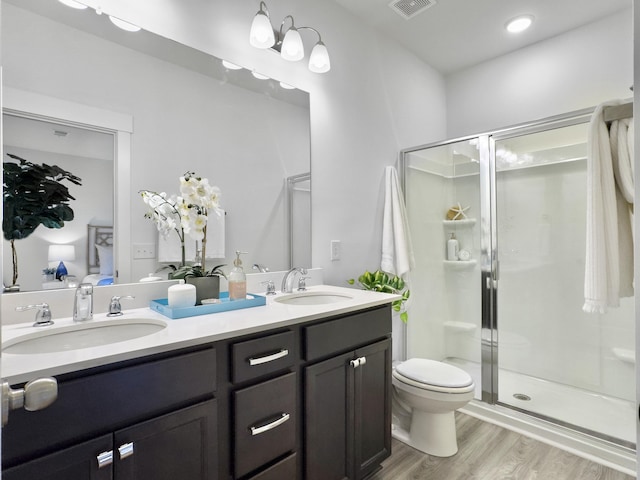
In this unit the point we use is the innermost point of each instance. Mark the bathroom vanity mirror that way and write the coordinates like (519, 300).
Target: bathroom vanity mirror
(188, 112)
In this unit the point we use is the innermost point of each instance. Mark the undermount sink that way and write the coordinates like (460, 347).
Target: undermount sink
(82, 335)
(312, 298)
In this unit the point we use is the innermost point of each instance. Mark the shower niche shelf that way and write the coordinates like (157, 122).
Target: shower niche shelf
(459, 264)
(462, 228)
(465, 222)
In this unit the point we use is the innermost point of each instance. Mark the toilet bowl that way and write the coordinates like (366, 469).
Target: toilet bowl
(425, 395)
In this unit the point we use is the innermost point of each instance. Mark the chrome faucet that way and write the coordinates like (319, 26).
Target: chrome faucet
(43, 315)
(288, 278)
(83, 303)
(261, 268)
(115, 308)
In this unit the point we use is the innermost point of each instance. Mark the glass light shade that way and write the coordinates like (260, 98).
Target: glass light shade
(261, 35)
(129, 27)
(62, 253)
(286, 86)
(519, 24)
(73, 4)
(259, 76)
(319, 59)
(292, 48)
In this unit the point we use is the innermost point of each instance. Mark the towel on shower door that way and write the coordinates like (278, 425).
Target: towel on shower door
(397, 252)
(609, 252)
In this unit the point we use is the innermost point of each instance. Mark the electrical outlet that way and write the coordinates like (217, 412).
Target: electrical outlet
(144, 250)
(335, 250)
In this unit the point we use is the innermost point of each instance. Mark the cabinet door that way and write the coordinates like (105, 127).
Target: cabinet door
(328, 416)
(79, 462)
(180, 445)
(372, 409)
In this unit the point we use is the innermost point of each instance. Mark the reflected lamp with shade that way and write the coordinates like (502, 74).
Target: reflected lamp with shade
(288, 43)
(62, 253)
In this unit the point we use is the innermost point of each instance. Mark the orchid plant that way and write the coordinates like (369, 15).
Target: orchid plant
(187, 214)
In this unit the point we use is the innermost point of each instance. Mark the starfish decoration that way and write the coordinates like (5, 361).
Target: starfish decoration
(457, 212)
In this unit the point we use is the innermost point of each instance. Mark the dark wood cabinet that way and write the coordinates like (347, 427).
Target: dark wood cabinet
(348, 414)
(306, 402)
(177, 445)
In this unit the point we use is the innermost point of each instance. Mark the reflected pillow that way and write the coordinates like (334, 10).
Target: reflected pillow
(105, 257)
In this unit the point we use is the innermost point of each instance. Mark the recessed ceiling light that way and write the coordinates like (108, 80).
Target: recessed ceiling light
(519, 24)
(231, 66)
(73, 4)
(129, 27)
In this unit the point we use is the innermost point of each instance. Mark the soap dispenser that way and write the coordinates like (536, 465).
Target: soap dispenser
(237, 279)
(452, 248)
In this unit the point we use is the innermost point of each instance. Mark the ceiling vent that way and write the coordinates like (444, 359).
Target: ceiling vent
(410, 8)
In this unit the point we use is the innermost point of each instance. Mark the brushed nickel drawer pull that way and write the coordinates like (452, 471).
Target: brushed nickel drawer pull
(268, 358)
(270, 426)
(126, 450)
(105, 459)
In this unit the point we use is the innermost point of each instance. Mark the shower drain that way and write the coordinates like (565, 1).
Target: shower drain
(522, 396)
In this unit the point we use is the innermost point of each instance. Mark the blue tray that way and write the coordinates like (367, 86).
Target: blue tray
(161, 306)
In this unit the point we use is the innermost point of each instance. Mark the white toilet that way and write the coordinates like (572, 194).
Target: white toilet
(425, 395)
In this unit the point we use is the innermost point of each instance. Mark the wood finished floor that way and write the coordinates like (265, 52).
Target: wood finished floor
(489, 452)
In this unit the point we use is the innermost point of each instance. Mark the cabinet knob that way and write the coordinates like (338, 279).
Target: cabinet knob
(125, 450)
(358, 362)
(36, 395)
(105, 459)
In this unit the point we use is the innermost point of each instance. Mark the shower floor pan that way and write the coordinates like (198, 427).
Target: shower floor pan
(610, 417)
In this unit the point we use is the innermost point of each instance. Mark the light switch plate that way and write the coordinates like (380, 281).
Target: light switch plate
(335, 250)
(144, 250)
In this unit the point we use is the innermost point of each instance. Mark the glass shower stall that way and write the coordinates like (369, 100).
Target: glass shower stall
(508, 309)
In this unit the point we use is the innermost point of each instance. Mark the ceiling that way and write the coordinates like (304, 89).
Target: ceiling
(452, 35)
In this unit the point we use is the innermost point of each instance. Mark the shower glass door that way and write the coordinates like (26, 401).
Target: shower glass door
(554, 360)
(442, 185)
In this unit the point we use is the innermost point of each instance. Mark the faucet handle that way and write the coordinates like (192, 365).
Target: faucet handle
(302, 284)
(271, 288)
(115, 309)
(43, 315)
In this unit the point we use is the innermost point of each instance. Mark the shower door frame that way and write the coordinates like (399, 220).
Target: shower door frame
(489, 251)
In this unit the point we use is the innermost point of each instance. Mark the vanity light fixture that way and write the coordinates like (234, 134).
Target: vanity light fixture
(288, 43)
(286, 86)
(73, 4)
(519, 23)
(259, 76)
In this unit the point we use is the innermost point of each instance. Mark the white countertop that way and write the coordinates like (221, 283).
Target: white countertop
(179, 333)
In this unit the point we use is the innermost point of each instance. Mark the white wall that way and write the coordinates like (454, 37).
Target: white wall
(576, 70)
(358, 124)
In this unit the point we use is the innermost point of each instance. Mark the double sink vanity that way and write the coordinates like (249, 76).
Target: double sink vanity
(296, 389)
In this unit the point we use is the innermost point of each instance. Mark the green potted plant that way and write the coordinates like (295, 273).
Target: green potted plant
(380, 281)
(33, 195)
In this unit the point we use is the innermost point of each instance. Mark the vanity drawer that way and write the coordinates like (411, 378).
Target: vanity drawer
(265, 423)
(284, 469)
(262, 356)
(347, 333)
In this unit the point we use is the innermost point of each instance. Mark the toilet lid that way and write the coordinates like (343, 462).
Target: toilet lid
(431, 372)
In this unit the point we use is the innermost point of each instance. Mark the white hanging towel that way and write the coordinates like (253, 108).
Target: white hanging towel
(397, 252)
(609, 249)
